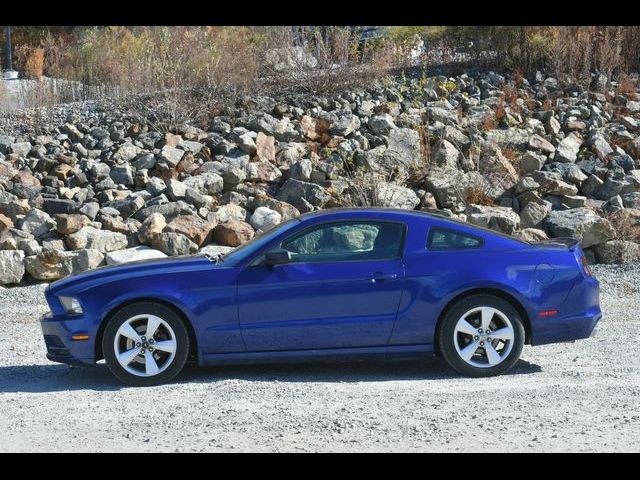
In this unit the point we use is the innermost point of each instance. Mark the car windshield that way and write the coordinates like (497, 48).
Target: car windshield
(236, 256)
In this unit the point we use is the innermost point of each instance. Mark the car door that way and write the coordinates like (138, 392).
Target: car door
(341, 289)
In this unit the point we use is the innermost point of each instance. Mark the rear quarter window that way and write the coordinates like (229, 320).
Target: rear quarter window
(447, 239)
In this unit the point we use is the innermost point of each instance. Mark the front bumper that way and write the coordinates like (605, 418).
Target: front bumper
(58, 332)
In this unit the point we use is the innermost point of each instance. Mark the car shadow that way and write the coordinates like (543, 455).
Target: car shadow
(57, 377)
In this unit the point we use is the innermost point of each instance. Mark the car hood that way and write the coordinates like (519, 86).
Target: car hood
(139, 268)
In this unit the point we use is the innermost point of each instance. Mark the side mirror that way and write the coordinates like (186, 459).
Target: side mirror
(277, 257)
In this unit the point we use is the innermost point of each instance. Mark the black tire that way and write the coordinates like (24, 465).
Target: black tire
(146, 308)
(448, 326)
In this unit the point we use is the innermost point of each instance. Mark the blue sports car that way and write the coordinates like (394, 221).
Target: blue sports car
(330, 284)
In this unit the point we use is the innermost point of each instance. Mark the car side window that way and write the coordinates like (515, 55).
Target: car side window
(347, 241)
(445, 239)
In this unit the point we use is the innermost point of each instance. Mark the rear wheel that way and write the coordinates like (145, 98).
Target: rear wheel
(145, 344)
(481, 336)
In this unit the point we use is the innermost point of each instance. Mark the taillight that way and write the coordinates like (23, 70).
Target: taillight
(585, 265)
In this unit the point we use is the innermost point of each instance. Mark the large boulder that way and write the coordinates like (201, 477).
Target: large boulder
(134, 254)
(533, 213)
(531, 235)
(580, 223)
(233, 233)
(264, 219)
(391, 195)
(92, 238)
(451, 188)
(193, 227)
(444, 155)
(497, 169)
(403, 148)
(617, 251)
(262, 171)
(67, 224)
(174, 244)
(11, 266)
(502, 219)
(54, 264)
(568, 148)
(292, 191)
(152, 226)
(37, 223)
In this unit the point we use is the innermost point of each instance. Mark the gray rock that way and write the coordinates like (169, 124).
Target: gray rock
(513, 137)
(171, 155)
(391, 195)
(568, 148)
(381, 124)
(262, 171)
(54, 264)
(536, 142)
(445, 155)
(531, 235)
(264, 219)
(21, 149)
(122, 174)
(301, 170)
(37, 223)
(533, 213)
(11, 266)
(176, 190)
(133, 254)
(631, 200)
(126, 152)
(167, 210)
(343, 123)
(205, 183)
(403, 147)
(617, 251)
(580, 223)
(502, 219)
(101, 240)
(293, 190)
(530, 162)
(174, 244)
(229, 212)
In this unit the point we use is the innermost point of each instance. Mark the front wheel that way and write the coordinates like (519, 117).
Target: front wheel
(481, 336)
(145, 344)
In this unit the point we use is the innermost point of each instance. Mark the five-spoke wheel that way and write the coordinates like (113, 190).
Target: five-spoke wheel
(145, 344)
(481, 335)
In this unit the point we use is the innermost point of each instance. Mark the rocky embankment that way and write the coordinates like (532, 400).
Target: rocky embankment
(87, 184)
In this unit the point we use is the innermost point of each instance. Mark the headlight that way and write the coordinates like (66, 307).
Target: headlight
(71, 304)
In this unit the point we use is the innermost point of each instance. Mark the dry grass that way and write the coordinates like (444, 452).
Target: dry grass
(30, 61)
(477, 196)
(489, 123)
(626, 87)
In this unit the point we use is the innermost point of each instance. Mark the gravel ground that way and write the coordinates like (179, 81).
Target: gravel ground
(583, 396)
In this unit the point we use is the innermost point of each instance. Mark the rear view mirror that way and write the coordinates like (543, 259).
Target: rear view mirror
(277, 257)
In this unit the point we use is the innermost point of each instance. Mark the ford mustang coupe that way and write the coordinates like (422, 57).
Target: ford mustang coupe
(338, 283)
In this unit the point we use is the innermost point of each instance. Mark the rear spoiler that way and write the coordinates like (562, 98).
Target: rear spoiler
(568, 242)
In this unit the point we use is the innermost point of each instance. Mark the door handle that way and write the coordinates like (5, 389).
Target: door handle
(379, 277)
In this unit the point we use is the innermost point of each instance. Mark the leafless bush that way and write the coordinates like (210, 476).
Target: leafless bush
(320, 60)
(368, 189)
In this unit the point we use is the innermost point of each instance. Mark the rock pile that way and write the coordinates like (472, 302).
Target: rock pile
(90, 184)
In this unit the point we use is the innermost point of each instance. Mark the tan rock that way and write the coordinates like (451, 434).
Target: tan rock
(70, 223)
(265, 146)
(233, 233)
(193, 227)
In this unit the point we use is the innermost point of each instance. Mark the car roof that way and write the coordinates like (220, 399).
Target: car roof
(354, 212)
